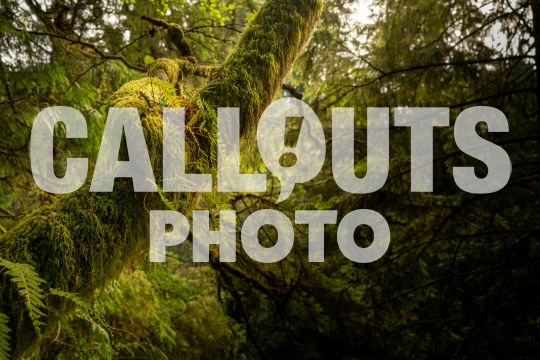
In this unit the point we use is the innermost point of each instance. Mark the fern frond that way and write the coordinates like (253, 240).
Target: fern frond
(73, 297)
(28, 283)
(169, 204)
(5, 348)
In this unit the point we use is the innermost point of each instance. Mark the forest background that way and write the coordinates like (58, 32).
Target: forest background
(461, 277)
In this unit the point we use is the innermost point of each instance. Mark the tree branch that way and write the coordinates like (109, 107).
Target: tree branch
(93, 236)
(175, 33)
(89, 45)
(253, 73)
(297, 94)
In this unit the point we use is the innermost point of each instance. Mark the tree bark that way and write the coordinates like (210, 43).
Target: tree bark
(85, 239)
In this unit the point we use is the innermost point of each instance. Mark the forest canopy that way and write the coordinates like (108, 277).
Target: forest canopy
(459, 277)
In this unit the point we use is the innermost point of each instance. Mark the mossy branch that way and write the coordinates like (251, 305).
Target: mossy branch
(91, 237)
(176, 37)
(173, 70)
(252, 75)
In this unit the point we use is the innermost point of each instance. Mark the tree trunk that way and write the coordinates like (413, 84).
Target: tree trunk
(86, 239)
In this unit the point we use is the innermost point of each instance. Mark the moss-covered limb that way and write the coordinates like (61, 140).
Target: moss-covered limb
(76, 244)
(174, 70)
(85, 239)
(252, 74)
(175, 35)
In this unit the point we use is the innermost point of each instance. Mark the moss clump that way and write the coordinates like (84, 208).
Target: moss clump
(175, 70)
(166, 67)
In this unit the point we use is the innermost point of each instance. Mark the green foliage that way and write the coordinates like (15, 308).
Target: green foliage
(5, 347)
(28, 284)
(158, 311)
(460, 279)
(74, 298)
(163, 311)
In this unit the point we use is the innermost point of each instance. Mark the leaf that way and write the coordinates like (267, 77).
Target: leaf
(5, 347)
(73, 297)
(167, 203)
(148, 60)
(28, 283)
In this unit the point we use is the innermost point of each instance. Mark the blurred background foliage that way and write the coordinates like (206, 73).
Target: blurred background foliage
(460, 280)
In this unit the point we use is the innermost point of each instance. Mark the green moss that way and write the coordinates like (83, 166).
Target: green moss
(175, 70)
(86, 239)
(167, 67)
(252, 75)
